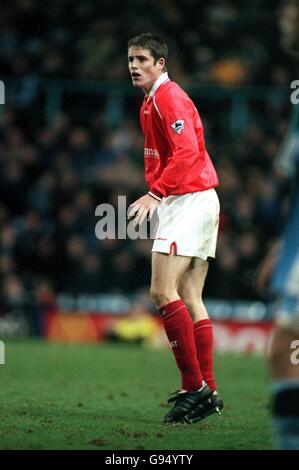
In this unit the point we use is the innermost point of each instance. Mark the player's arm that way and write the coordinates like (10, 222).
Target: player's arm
(288, 154)
(265, 269)
(177, 120)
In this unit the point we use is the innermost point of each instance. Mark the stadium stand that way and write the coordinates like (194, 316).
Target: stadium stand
(70, 140)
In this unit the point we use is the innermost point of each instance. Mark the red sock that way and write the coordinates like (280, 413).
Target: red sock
(203, 334)
(179, 329)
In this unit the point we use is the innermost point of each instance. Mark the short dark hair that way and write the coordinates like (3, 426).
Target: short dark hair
(153, 43)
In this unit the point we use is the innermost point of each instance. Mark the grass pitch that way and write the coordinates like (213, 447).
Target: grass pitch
(113, 396)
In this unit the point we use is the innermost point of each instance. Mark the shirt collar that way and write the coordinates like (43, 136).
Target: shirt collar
(162, 79)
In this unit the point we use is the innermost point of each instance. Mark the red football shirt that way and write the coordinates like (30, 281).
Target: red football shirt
(176, 160)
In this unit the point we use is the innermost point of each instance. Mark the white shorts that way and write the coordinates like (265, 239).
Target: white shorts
(188, 224)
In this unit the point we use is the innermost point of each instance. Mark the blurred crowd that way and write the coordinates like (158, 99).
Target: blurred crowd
(53, 175)
(227, 42)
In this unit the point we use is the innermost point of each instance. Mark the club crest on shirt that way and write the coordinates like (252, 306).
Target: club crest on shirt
(178, 126)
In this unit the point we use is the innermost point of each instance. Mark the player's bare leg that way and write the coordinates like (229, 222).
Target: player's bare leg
(191, 287)
(280, 354)
(167, 271)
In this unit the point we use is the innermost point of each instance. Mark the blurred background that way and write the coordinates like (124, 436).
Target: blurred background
(70, 140)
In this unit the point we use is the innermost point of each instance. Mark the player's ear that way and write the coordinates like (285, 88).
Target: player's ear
(162, 62)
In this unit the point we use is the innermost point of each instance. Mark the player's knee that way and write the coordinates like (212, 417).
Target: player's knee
(281, 346)
(276, 355)
(273, 354)
(160, 297)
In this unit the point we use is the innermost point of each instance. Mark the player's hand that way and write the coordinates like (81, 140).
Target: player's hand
(142, 208)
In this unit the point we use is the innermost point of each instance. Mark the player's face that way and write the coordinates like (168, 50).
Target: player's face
(143, 70)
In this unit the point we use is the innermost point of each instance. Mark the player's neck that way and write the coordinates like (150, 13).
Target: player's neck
(149, 91)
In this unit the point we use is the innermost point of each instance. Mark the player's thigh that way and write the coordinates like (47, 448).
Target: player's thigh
(192, 282)
(167, 270)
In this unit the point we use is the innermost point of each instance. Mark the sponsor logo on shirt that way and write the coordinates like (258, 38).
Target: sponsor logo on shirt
(178, 126)
(151, 153)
